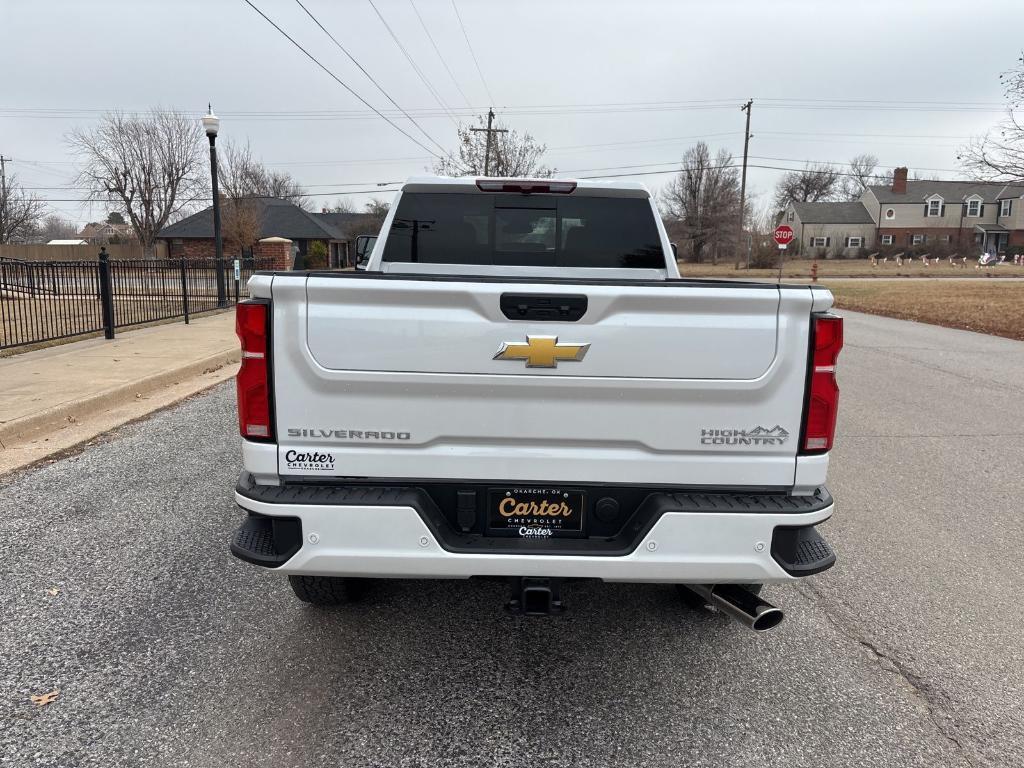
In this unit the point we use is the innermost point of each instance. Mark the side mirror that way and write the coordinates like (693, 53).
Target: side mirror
(364, 246)
(675, 250)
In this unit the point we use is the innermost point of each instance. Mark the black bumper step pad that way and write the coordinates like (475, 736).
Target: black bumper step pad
(267, 541)
(802, 551)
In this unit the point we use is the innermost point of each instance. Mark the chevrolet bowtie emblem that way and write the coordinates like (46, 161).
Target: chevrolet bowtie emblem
(541, 351)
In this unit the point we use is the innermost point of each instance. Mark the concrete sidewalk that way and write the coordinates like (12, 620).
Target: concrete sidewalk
(54, 398)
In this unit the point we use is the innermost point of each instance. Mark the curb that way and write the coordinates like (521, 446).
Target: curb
(49, 418)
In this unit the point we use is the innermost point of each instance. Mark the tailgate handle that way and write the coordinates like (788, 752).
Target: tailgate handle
(543, 306)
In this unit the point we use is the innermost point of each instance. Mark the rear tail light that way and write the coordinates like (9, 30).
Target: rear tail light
(822, 405)
(525, 186)
(253, 380)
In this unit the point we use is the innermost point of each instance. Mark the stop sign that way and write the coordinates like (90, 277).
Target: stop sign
(783, 234)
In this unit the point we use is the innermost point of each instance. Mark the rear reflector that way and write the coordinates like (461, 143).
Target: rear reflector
(253, 381)
(525, 187)
(822, 405)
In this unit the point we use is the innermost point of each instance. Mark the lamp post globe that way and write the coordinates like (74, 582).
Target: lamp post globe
(211, 125)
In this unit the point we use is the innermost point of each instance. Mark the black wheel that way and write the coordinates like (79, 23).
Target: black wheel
(323, 590)
(692, 600)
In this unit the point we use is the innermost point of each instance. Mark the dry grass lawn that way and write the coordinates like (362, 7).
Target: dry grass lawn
(800, 269)
(986, 306)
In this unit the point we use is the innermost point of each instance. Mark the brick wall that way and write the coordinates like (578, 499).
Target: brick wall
(959, 238)
(193, 249)
(278, 249)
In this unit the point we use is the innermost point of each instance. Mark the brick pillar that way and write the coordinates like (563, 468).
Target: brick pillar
(278, 249)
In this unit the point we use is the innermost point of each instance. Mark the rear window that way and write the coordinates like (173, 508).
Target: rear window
(524, 230)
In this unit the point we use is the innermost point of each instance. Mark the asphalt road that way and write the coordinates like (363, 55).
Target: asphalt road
(168, 652)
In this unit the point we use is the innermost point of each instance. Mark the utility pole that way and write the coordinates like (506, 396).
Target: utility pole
(743, 179)
(487, 146)
(3, 199)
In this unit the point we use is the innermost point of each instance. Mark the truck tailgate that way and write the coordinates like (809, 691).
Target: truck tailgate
(675, 383)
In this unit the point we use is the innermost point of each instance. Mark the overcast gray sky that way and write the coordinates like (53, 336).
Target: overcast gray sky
(642, 79)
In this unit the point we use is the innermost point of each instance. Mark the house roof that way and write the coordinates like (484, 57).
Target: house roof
(833, 213)
(950, 191)
(93, 228)
(279, 218)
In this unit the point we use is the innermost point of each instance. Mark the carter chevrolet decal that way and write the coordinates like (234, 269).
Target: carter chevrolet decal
(541, 351)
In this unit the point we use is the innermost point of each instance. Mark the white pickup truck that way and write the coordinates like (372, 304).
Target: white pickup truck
(520, 385)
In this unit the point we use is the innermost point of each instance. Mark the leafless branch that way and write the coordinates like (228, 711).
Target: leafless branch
(512, 154)
(20, 211)
(149, 166)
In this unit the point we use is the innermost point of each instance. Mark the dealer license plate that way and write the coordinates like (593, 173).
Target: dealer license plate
(540, 512)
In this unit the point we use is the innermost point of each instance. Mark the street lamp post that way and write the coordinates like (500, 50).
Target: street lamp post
(211, 124)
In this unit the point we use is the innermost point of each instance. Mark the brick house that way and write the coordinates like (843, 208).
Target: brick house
(192, 237)
(966, 217)
(97, 232)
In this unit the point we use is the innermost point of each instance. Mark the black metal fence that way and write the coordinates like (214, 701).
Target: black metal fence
(48, 301)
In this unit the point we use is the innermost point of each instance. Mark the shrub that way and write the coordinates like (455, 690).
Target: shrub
(316, 256)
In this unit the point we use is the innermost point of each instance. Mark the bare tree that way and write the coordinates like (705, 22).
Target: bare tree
(863, 172)
(241, 224)
(243, 176)
(149, 165)
(378, 208)
(245, 183)
(342, 205)
(54, 227)
(512, 154)
(19, 211)
(816, 183)
(999, 154)
(377, 211)
(701, 204)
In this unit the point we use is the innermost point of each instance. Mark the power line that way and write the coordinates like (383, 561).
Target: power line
(340, 82)
(206, 198)
(362, 69)
(667, 140)
(438, 52)
(523, 110)
(490, 98)
(408, 57)
(755, 157)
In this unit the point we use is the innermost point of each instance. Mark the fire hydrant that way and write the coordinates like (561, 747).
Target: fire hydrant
(814, 271)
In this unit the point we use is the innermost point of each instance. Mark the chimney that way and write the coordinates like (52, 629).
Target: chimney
(899, 181)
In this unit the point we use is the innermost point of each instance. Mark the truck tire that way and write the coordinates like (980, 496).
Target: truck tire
(322, 590)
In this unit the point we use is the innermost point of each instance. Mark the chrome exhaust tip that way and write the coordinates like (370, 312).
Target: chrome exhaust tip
(740, 604)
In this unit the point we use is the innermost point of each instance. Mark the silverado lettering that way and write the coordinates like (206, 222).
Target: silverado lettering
(344, 434)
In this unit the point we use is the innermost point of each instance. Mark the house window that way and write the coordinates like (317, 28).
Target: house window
(791, 216)
(974, 207)
(1004, 207)
(935, 206)
(890, 213)
(886, 239)
(918, 239)
(854, 242)
(819, 242)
